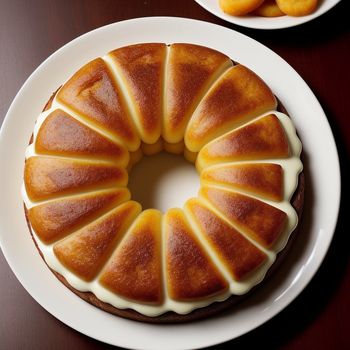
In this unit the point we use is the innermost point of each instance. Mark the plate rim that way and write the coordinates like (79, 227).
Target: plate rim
(241, 21)
(213, 27)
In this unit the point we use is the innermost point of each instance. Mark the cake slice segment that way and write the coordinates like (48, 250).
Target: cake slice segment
(62, 135)
(191, 70)
(93, 93)
(190, 273)
(48, 177)
(141, 68)
(237, 97)
(85, 252)
(135, 269)
(263, 138)
(262, 179)
(261, 221)
(238, 254)
(53, 220)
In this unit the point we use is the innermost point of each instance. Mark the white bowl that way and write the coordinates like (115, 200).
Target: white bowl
(259, 22)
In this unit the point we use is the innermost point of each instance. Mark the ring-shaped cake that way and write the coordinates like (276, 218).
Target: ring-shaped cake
(139, 100)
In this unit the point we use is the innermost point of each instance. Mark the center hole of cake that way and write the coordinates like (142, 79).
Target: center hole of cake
(163, 181)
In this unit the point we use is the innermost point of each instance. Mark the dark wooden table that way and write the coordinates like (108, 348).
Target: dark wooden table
(320, 51)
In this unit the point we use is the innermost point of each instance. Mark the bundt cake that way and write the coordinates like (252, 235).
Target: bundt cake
(139, 100)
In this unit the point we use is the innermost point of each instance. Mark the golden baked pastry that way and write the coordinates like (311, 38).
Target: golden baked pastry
(297, 7)
(138, 100)
(239, 7)
(268, 8)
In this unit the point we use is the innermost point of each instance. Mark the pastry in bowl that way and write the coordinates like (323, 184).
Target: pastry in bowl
(189, 262)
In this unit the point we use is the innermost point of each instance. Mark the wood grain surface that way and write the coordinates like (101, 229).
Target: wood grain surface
(320, 52)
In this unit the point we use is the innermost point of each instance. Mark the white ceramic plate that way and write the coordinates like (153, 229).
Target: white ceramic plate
(310, 248)
(258, 22)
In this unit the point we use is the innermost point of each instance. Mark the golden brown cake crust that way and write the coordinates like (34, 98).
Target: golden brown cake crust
(171, 317)
(54, 220)
(142, 68)
(237, 97)
(265, 179)
(93, 93)
(84, 252)
(191, 69)
(135, 270)
(62, 135)
(263, 222)
(238, 254)
(47, 177)
(191, 275)
(261, 139)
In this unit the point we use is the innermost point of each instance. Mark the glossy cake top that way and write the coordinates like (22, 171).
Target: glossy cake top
(139, 100)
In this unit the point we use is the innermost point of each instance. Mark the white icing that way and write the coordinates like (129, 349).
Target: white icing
(292, 166)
